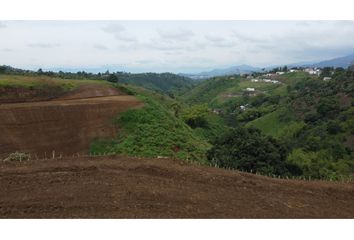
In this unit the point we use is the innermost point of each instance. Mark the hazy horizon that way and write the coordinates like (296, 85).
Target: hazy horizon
(170, 46)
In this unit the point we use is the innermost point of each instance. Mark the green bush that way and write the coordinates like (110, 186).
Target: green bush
(195, 116)
(320, 164)
(18, 157)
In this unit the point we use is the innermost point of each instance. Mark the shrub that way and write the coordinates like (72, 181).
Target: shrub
(195, 116)
(112, 78)
(18, 157)
(333, 127)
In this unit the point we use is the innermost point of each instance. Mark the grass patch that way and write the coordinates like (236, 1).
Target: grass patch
(40, 82)
(272, 125)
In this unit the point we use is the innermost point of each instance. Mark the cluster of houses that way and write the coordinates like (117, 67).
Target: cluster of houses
(313, 71)
(265, 80)
(270, 77)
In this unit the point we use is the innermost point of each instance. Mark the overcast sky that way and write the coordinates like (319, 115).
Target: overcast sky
(174, 46)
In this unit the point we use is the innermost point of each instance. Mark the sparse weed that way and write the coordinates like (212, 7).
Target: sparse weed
(17, 157)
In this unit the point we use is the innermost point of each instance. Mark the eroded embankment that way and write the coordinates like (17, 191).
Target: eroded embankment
(121, 187)
(63, 126)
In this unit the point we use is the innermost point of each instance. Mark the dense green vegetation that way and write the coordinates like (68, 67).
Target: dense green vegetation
(167, 83)
(249, 150)
(153, 131)
(312, 118)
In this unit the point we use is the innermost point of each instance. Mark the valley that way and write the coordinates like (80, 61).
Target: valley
(227, 147)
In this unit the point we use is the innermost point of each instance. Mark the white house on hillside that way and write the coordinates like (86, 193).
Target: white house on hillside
(313, 71)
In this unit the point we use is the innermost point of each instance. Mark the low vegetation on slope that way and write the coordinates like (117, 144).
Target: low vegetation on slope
(153, 131)
(166, 83)
(208, 90)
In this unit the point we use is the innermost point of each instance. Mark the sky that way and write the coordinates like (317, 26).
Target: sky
(170, 46)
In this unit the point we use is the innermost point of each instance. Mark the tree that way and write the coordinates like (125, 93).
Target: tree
(248, 149)
(2, 69)
(176, 108)
(112, 78)
(351, 67)
(195, 116)
(326, 72)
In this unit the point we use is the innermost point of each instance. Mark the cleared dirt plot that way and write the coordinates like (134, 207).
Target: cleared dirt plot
(122, 187)
(66, 125)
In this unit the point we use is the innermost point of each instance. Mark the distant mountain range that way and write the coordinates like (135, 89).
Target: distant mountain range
(343, 62)
(240, 69)
(222, 72)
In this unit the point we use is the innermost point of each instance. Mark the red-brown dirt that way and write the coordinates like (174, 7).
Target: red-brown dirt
(62, 126)
(91, 90)
(122, 187)
(23, 94)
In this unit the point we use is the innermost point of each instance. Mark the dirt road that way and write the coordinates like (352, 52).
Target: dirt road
(121, 187)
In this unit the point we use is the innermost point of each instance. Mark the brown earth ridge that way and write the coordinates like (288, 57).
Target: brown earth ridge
(65, 125)
(123, 187)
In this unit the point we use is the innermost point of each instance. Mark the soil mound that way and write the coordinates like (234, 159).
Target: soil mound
(121, 187)
(63, 126)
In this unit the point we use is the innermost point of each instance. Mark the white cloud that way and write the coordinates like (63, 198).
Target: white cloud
(119, 32)
(221, 42)
(175, 35)
(114, 28)
(7, 50)
(43, 45)
(172, 45)
(99, 46)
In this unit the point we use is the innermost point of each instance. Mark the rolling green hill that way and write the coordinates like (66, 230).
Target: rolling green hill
(312, 117)
(154, 131)
(221, 90)
(163, 82)
(166, 83)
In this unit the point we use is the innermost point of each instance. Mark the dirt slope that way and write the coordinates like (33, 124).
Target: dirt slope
(120, 187)
(91, 90)
(66, 125)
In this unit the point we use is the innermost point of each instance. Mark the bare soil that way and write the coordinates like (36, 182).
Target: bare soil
(63, 126)
(122, 187)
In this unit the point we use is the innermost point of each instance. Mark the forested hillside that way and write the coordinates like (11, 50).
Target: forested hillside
(163, 82)
(307, 118)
